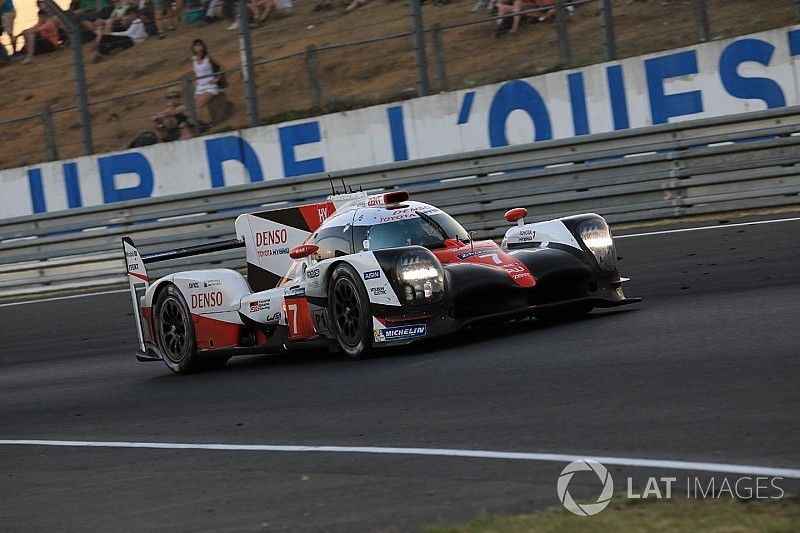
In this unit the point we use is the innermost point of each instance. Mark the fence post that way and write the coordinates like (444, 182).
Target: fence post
(609, 42)
(701, 17)
(423, 86)
(188, 101)
(314, 84)
(563, 34)
(797, 9)
(80, 74)
(49, 134)
(438, 54)
(248, 71)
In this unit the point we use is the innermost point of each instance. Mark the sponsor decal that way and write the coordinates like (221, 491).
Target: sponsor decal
(194, 285)
(212, 283)
(525, 239)
(375, 201)
(483, 251)
(322, 211)
(372, 274)
(520, 276)
(273, 251)
(378, 291)
(271, 237)
(132, 253)
(206, 299)
(528, 232)
(400, 332)
(261, 305)
(294, 292)
(274, 317)
(312, 273)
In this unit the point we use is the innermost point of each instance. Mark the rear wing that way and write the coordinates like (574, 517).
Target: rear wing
(139, 280)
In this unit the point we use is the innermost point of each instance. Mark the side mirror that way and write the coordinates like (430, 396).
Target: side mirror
(517, 215)
(303, 250)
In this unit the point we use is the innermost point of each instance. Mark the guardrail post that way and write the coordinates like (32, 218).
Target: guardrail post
(80, 74)
(421, 63)
(563, 34)
(248, 72)
(314, 83)
(49, 134)
(609, 42)
(797, 9)
(438, 55)
(188, 101)
(701, 17)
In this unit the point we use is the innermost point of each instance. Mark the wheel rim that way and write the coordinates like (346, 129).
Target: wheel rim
(172, 329)
(347, 312)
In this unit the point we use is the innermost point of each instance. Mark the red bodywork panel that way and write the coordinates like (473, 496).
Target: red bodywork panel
(215, 334)
(485, 253)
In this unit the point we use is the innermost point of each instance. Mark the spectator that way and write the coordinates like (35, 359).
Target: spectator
(355, 4)
(40, 39)
(322, 5)
(134, 34)
(262, 9)
(174, 114)
(511, 24)
(206, 86)
(164, 16)
(7, 16)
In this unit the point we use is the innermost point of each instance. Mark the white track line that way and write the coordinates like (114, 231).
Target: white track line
(719, 226)
(663, 232)
(71, 296)
(725, 468)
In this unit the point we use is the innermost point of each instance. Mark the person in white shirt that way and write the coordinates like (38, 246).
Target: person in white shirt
(136, 33)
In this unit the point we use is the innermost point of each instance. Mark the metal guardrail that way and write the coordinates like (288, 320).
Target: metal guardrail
(697, 167)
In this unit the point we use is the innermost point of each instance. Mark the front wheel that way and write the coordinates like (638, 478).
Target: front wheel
(349, 312)
(174, 331)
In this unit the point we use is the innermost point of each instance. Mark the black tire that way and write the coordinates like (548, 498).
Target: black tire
(174, 331)
(349, 312)
(564, 314)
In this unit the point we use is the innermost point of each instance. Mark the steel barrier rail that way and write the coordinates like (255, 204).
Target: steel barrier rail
(696, 167)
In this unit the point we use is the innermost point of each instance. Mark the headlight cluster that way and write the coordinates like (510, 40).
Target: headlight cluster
(597, 237)
(421, 277)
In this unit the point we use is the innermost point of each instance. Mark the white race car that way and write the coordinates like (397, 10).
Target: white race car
(357, 272)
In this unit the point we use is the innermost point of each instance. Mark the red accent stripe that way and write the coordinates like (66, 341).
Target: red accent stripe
(316, 214)
(140, 276)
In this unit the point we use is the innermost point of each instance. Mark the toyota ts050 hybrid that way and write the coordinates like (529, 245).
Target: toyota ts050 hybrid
(357, 272)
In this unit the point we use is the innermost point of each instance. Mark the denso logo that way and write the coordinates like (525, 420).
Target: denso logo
(277, 236)
(207, 299)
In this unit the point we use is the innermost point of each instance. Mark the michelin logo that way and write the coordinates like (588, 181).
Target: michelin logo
(400, 332)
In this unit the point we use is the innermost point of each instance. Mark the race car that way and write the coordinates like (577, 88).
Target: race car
(357, 272)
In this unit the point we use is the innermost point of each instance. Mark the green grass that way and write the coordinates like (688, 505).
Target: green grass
(624, 515)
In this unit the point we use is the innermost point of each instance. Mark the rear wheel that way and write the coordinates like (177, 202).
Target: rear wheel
(349, 312)
(174, 331)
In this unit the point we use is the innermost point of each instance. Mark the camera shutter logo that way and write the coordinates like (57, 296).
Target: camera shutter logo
(585, 509)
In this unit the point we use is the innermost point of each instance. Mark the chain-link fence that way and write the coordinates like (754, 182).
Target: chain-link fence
(320, 60)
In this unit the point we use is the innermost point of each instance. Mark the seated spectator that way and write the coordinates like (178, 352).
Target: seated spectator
(115, 21)
(40, 39)
(322, 5)
(355, 4)
(174, 114)
(511, 24)
(7, 16)
(134, 34)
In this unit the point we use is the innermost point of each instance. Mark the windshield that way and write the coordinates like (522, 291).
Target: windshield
(429, 230)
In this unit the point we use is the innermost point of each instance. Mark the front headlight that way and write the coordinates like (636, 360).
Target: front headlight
(420, 276)
(597, 237)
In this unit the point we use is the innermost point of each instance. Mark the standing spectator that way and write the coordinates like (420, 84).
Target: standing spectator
(40, 39)
(206, 85)
(8, 15)
(134, 34)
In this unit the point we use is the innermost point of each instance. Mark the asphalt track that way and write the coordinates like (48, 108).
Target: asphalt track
(707, 368)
